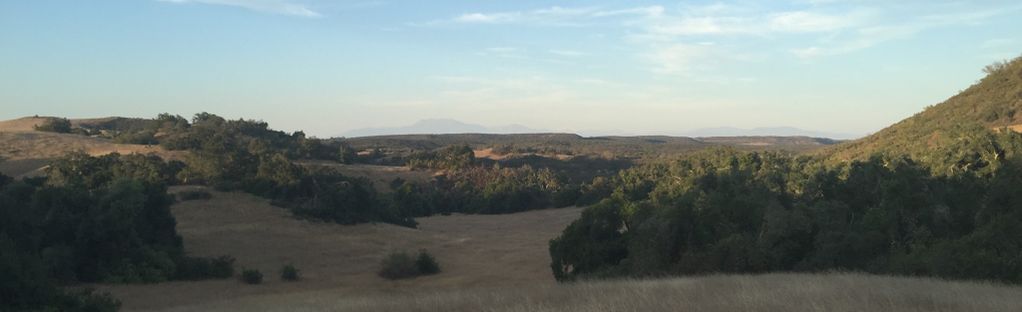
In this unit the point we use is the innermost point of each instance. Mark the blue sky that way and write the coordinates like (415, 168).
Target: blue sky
(630, 67)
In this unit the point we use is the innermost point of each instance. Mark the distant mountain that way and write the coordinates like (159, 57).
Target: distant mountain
(440, 126)
(766, 131)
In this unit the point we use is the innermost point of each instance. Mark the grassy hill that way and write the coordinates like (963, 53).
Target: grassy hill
(967, 122)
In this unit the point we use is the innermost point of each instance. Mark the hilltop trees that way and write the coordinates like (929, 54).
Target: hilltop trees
(58, 125)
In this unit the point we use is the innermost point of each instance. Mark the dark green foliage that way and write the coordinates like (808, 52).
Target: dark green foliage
(192, 268)
(401, 265)
(329, 196)
(25, 286)
(140, 137)
(194, 195)
(426, 264)
(251, 276)
(735, 212)
(289, 273)
(58, 125)
(451, 157)
(347, 154)
(398, 265)
(96, 219)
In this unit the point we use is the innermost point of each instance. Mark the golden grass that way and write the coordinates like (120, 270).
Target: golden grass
(473, 251)
(770, 292)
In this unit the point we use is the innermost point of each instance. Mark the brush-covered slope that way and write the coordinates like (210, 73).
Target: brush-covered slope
(966, 130)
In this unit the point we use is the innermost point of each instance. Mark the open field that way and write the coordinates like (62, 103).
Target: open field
(771, 292)
(338, 261)
(490, 263)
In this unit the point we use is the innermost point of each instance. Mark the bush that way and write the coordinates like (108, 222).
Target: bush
(194, 195)
(398, 265)
(189, 268)
(426, 264)
(251, 277)
(290, 273)
(58, 125)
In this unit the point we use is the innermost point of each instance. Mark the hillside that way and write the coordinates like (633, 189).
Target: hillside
(965, 121)
(25, 150)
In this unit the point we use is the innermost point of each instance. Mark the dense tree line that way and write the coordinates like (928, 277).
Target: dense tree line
(742, 212)
(94, 219)
(484, 190)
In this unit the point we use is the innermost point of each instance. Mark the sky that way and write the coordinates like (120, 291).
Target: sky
(607, 67)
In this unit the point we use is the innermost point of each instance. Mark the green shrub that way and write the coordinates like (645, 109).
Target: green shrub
(398, 265)
(190, 268)
(290, 273)
(251, 276)
(426, 264)
(58, 125)
(137, 137)
(194, 195)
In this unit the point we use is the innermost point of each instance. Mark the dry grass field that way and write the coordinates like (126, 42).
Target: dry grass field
(26, 151)
(771, 292)
(490, 263)
(340, 261)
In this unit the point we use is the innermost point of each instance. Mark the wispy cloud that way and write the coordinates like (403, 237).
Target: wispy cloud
(687, 40)
(552, 16)
(867, 36)
(269, 6)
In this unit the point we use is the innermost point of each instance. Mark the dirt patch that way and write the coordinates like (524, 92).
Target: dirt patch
(473, 251)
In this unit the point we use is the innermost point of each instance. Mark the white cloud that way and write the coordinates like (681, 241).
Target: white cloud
(487, 18)
(867, 36)
(556, 16)
(269, 6)
(803, 21)
(753, 24)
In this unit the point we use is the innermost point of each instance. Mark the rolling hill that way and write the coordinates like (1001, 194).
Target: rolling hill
(965, 123)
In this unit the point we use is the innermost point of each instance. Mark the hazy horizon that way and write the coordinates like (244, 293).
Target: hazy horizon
(612, 67)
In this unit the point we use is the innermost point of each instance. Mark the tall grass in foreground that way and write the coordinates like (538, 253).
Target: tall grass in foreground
(770, 292)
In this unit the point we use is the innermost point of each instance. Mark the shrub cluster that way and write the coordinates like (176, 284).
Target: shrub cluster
(401, 265)
(58, 125)
(289, 273)
(191, 268)
(251, 276)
